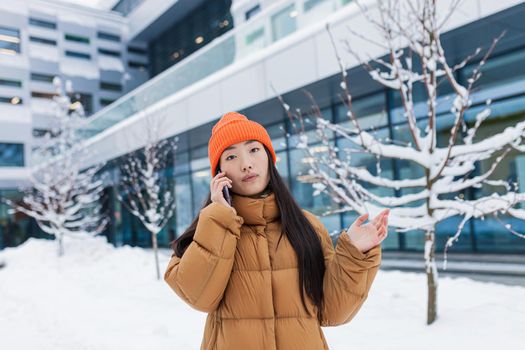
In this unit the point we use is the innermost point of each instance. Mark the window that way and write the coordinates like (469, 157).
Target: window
(255, 35)
(301, 189)
(47, 95)
(277, 134)
(282, 165)
(499, 70)
(109, 52)
(136, 50)
(9, 41)
(200, 175)
(181, 158)
(42, 77)
(125, 7)
(110, 86)
(137, 65)
(108, 36)
(76, 38)
(42, 41)
(40, 132)
(200, 181)
(105, 102)
(42, 23)
(183, 209)
(309, 4)
(284, 22)
(75, 54)
(9, 82)
(252, 12)
(14, 100)
(370, 112)
(11, 154)
(86, 100)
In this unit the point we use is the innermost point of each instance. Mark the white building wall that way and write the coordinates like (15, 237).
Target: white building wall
(18, 121)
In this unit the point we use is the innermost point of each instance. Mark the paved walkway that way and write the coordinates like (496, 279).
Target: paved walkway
(499, 268)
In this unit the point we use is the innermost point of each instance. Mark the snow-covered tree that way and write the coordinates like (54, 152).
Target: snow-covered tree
(62, 197)
(144, 189)
(410, 34)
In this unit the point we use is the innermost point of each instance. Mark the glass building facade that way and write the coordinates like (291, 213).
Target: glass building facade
(503, 81)
(378, 109)
(16, 228)
(203, 24)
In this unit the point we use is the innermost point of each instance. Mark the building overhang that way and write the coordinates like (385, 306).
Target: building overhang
(153, 17)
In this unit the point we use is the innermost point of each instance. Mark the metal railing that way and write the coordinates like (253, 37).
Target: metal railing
(264, 29)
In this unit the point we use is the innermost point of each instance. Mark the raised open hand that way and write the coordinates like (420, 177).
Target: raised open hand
(367, 236)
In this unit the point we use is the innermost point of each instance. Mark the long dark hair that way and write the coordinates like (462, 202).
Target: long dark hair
(300, 233)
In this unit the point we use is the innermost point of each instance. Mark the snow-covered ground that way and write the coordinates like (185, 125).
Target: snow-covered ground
(100, 297)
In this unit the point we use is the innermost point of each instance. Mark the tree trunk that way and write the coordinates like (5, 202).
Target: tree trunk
(155, 251)
(60, 244)
(432, 276)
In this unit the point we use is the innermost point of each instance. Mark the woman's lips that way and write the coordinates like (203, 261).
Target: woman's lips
(251, 179)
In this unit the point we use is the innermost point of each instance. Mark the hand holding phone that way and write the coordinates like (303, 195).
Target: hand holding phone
(226, 194)
(221, 183)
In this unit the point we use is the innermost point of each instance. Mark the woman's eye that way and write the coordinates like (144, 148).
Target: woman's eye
(227, 158)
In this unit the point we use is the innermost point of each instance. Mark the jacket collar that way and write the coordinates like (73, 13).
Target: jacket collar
(256, 210)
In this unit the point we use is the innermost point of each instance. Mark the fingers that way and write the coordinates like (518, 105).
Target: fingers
(383, 235)
(220, 180)
(221, 183)
(379, 220)
(377, 223)
(225, 183)
(381, 215)
(378, 228)
(360, 219)
(217, 184)
(221, 175)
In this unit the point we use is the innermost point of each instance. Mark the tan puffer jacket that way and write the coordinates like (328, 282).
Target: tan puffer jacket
(250, 290)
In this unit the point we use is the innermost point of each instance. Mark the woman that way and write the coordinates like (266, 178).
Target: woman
(264, 269)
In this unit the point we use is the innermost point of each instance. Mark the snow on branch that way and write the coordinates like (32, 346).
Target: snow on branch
(145, 188)
(409, 33)
(64, 198)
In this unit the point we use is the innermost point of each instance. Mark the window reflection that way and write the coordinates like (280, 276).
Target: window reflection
(498, 70)
(302, 189)
(200, 182)
(282, 166)
(205, 23)
(9, 41)
(11, 154)
(183, 209)
(284, 22)
(370, 112)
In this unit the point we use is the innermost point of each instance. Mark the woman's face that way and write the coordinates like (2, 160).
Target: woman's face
(242, 159)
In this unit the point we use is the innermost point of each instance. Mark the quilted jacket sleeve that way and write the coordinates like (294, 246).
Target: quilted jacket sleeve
(201, 275)
(348, 276)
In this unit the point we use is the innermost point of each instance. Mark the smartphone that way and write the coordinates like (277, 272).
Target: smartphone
(225, 191)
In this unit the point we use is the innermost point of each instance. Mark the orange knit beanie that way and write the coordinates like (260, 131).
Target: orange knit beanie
(232, 128)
